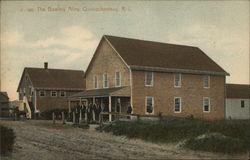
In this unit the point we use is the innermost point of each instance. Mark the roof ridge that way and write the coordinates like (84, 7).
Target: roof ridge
(182, 45)
(54, 69)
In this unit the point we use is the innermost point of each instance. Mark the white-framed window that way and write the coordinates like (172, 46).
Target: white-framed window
(42, 93)
(95, 82)
(62, 93)
(242, 103)
(53, 93)
(206, 81)
(117, 79)
(149, 104)
(177, 104)
(206, 104)
(105, 80)
(149, 79)
(177, 80)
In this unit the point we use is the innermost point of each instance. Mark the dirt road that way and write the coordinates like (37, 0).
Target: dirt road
(41, 140)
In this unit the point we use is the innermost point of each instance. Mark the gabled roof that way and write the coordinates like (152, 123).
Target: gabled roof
(4, 97)
(156, 56)
(55, 78)
(238, 91)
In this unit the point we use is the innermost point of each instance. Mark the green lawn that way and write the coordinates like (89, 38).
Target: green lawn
(220, 136)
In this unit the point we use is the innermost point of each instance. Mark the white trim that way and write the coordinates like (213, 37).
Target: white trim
(64, 94)
(209, 105)
(42, 91)
(207, 80)
(94, 82)
(152, 104)
(179, 86)
(180, 104)
(103, 80)
(52, 95)
(149, 85)
(120, 80)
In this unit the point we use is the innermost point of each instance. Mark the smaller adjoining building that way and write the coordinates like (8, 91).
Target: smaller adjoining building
(44, 89)
(4, 104)
(237, 101)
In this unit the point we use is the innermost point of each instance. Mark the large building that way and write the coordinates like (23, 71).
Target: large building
(46, 89)
(154, 78)
(238, 101)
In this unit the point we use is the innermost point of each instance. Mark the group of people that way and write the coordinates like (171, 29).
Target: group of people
(90, 112)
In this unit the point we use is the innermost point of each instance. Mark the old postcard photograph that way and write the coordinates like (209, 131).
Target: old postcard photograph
(124, 79)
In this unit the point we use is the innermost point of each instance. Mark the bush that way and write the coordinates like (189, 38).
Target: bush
(7, 140)
(218, 143)
(58, 113)
(234, 135)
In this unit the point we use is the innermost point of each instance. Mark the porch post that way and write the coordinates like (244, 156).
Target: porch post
(110, 116)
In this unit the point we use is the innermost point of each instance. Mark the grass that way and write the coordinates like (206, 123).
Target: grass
(7, 140)
(219, 136)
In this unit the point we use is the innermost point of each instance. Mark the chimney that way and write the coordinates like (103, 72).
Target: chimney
(45, 65)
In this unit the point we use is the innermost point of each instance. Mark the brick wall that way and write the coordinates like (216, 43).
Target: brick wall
(107, 61)
(191, 93)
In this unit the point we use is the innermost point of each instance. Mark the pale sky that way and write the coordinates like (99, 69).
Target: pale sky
(67, 37)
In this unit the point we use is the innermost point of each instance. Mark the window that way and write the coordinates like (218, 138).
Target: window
(62, 93)
(105, 81)
(149, 79)
(242, 103)
(42, 93)
(149, 105)
(53, 93)
(206, 81)
(117, 79)
(206, 105)
(177, 105)
(177, 80)
(95, 82)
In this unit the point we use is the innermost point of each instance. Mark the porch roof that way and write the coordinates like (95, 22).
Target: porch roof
(104, 92)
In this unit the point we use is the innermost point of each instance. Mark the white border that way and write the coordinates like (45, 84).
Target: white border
(180, 105)
(151, 85)
(208, 81)
(119, 79)
(153, 105)
(180, 80)
(209, 105)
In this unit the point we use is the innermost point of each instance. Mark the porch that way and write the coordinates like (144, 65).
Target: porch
(110, 100)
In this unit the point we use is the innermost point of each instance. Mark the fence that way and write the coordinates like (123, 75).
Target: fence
(115, 116)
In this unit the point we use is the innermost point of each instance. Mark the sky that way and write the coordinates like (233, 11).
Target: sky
(66, 33)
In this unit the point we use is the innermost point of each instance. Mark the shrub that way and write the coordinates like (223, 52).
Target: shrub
(218, 143)
(233, 135)
(58, 112)
(7, 140)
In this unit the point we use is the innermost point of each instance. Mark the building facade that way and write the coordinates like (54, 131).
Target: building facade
(238, 101)
(155, 78)
(46, 89)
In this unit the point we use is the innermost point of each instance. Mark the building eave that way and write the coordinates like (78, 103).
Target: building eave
(173, 70)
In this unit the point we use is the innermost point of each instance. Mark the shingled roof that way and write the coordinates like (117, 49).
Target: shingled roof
(55, 78)
(156, 56)
(238, 91)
